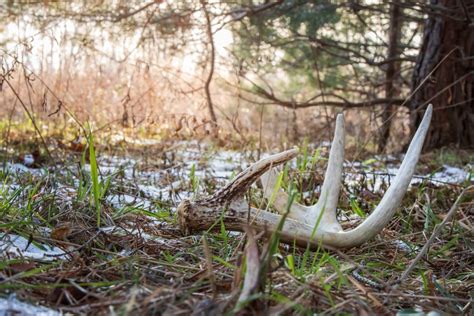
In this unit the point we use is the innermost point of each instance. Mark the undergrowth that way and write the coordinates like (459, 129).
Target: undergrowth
(124, 252)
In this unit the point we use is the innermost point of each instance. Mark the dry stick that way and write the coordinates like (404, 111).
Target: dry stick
(318, 76)
(434, 235)
(6, 134)
(260, 126)
(437, 94)
(30, 116)
(49, 90)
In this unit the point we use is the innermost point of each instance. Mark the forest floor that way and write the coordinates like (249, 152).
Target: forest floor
(95, 232)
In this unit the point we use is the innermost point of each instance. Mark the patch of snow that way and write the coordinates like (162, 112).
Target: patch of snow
(325, 143)
(404, 246)
(417, 311)
(12, 306)
(18, 168)
(28, 160)
(117, 137)
(351, 219)
(125, 253)
(120, 137)
(152, 191)
(118, 201)
(18, 246)
(183, 195)
(9, 187)
(375, 180)
(386, 158)
(307, 194)
(451, 175)
(353, 164)
(378, 179)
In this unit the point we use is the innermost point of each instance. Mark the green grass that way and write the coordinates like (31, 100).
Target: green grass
(159, 269)
(96, 189)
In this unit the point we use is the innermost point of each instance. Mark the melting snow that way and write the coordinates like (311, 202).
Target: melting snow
(172, 182)
(120, 137)
(404, 246)
(126, 199)
(12, 306)
(28, 160)
(377, 179)
(19, 168)
(451, 175)
(18, 246)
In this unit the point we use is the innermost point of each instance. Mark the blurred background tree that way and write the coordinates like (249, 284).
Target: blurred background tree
(352, 54)
(287, 63)
(444, 74)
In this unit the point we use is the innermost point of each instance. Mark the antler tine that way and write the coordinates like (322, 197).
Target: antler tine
(394, 195)
(300, 225)
(241, 183)
(329, 190)
(327, 203)
(329, 230)
(201, 214)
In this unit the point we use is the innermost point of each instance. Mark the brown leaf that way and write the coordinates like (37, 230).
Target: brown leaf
(61, 232)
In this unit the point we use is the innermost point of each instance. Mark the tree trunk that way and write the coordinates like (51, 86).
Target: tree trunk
(207, 87)
(448, 52)
(393, 70)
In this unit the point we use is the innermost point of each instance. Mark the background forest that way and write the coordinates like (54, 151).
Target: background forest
(113, 112)
(240, 67)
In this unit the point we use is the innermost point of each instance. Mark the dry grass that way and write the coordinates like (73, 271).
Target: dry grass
(139, 262)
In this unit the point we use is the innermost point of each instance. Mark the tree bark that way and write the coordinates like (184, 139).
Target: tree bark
(447, 59)
(393, 70)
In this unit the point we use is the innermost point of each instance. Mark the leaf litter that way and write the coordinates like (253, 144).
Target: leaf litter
(140, 244)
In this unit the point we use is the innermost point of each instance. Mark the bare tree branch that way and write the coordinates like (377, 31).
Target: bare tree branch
(210, 37)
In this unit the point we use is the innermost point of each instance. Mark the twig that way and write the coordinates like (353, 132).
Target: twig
(364, 290)
(211, 64)
(433, 236)
(260, 126)
(30, 117)
(465, 11)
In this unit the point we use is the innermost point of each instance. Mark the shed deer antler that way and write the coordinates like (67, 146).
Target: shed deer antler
(303, 224)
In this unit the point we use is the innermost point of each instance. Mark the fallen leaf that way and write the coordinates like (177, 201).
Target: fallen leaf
(61, 232)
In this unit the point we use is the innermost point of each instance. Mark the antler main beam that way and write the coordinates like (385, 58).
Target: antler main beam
(303, 224)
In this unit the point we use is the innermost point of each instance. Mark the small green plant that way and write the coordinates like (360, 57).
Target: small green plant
(8, 196)
(424, 278)
(94, 177)
(194, 180)
(99, 187)
(430, 219)
(290, 263)
(356, 207)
